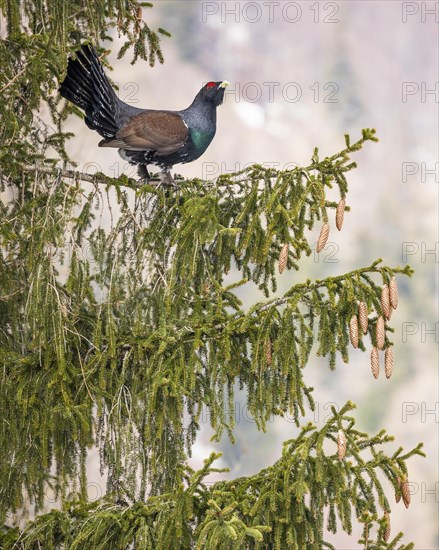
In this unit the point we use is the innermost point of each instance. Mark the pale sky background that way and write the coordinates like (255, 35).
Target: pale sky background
(302, 75)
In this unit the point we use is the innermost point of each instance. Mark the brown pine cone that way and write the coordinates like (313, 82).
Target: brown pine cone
(206, 287)
(386, 535)
(375, 362)
(405, 491)
(323, 237)
(380, 332)
(388, 361)
(393, 291)
(339, 214)
(341, 445)
(385, 301)
(268, 353)
(353, 331)
(362, 316)
(283, 257)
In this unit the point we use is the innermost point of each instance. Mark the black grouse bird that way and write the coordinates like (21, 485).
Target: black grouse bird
(143, 136)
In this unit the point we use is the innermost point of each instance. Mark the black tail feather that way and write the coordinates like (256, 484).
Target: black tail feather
(87, 86)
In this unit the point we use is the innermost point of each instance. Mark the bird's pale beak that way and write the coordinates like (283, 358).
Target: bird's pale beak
(224, 84)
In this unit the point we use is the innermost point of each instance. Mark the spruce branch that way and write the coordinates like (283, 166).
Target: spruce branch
(280, 507)
(164, 311)
(98, 178)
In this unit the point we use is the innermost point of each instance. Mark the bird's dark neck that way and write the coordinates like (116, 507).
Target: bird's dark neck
(201, 116)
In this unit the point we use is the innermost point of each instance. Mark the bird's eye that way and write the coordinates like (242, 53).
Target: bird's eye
(210, 85)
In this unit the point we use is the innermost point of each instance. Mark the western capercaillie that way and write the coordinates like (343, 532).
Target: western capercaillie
(143, 136)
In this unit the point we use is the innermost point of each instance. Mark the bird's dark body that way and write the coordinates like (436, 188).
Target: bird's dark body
(143, 136)
(195, 145)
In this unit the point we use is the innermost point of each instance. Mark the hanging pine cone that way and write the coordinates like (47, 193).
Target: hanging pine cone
(386, 535)
(385, 301)
(405, 491)
(362, 317)
(339, 214)
(268, 354)
(375, 362)
(283, 257)
(393, 291)
(341, 445)
(353, 331)
(388, 361)
(323, 237)
(206, 287)
(380, 332)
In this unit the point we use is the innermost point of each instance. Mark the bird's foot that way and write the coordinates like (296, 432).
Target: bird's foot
(144, 175)
(163, 178)
(167, 179)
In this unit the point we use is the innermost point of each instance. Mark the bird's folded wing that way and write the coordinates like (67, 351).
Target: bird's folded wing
(161, 131)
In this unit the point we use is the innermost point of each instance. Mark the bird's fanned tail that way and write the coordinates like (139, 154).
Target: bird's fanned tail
(88, 88)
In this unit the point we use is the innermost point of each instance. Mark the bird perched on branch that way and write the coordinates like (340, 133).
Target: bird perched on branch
(143, 136)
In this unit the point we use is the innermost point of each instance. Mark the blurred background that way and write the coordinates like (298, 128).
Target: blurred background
(302, 75)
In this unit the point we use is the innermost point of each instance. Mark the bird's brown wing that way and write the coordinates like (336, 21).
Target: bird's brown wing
(161, 131)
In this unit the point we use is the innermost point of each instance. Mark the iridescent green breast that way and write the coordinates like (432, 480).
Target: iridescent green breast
(201, 140)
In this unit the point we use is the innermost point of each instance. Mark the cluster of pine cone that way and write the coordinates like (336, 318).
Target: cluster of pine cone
(389, 301)
(360, 321)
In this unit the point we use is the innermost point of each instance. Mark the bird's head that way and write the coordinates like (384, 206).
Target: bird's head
(214, 92)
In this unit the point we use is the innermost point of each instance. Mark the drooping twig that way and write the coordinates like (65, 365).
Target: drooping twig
(6, 86)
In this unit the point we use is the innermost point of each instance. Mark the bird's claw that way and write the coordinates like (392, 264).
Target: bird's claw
(167, 179)
(164, 178)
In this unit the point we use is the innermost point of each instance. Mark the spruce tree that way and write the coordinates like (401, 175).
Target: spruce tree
(117, 338)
